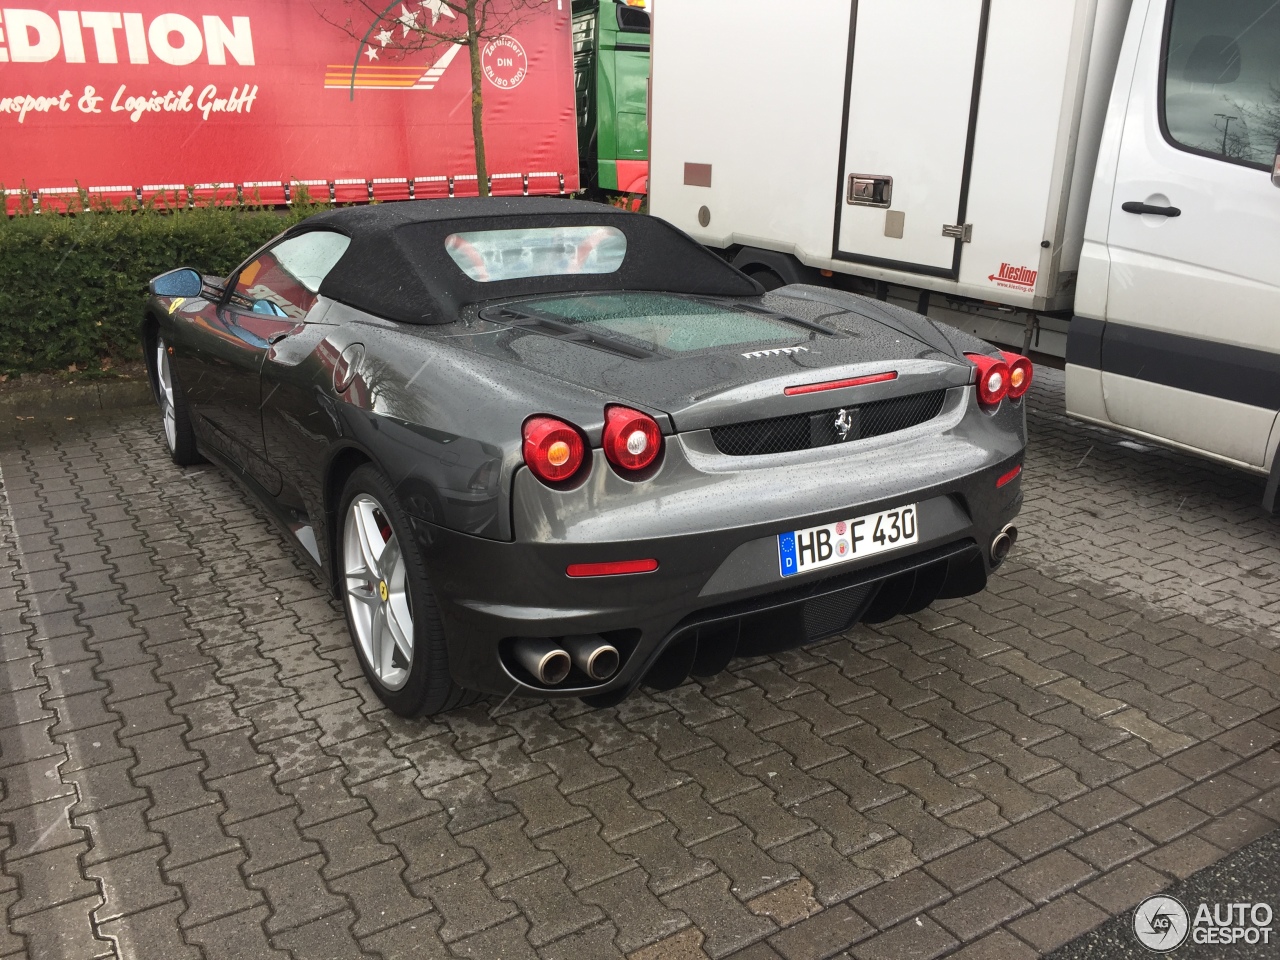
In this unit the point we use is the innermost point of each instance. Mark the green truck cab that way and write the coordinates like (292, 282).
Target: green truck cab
(611, 79)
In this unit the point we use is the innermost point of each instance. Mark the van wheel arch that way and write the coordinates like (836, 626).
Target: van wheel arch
(1271, 495)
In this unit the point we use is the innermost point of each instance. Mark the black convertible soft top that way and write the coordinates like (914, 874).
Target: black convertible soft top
(397, 265)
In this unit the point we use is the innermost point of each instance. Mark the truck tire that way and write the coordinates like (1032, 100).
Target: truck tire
(772, 269)
(766, 278)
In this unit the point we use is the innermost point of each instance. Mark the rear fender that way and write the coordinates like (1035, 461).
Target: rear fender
(444, 424)
(344, 461)
(447, 479)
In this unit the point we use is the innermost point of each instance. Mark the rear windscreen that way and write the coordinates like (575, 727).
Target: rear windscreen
(492, 255)
(665, 322)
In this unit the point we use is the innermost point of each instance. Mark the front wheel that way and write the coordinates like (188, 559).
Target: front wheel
(391, 611)
(179, 436)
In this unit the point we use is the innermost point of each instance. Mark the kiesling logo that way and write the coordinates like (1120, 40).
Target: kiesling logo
(1161, 923)
(775, 352)
(1019, 278)
(91, 36)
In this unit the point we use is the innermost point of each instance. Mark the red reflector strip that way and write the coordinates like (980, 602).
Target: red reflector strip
(611, 569)
(837, 384)
(1009, 477)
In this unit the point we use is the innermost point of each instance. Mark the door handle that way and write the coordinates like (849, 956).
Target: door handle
(281, 334)
(870, 190)
(1134, 206)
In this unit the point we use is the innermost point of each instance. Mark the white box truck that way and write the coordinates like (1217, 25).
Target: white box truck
(1094, 179)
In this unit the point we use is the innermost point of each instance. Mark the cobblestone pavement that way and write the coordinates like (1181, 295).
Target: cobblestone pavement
(194, 767)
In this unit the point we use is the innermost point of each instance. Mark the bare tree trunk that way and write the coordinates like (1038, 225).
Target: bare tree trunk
(477, 110)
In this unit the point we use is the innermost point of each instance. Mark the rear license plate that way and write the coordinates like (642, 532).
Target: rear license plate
(816, 547)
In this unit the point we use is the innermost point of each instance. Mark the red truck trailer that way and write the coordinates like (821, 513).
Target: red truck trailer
(235, 99)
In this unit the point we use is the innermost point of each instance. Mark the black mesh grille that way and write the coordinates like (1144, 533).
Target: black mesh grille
(832, 613)
(803, 431)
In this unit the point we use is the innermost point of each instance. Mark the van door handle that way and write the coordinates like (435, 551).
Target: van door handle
(1134, 206)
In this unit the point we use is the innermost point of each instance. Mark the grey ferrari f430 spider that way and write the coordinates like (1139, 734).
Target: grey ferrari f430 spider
(550, 448)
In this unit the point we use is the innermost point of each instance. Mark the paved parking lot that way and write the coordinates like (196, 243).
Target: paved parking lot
(194, 767)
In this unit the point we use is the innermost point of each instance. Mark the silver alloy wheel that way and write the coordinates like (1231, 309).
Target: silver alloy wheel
(164, 378)
(376, 585)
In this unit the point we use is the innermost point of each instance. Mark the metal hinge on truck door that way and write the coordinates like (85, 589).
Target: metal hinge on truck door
(958, 231)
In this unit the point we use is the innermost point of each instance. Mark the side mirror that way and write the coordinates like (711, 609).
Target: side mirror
(1275, 168)
(183, 282)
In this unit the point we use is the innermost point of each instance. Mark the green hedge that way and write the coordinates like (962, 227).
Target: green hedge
(72, 288)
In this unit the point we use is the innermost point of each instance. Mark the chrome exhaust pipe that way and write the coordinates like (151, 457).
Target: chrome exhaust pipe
(545, 659)
(596, 658)
(1003, 543)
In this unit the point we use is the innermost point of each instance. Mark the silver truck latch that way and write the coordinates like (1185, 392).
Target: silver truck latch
(870, 189)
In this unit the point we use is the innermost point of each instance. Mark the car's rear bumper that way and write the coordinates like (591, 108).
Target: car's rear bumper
(661, 642)
(715, 540)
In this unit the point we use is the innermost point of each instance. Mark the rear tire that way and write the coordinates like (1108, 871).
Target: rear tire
(391, 611)
(179, 435)
(767, 279)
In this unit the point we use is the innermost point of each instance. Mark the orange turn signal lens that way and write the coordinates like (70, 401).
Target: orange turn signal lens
(1020, 374)
(558, 453)
(553, 450)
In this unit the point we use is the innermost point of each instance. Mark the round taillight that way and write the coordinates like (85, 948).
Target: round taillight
(993, 378)
(553, 450)
(1020, 373)
(632, 440)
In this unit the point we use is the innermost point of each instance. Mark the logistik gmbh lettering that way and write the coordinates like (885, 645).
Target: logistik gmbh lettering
(240, 100)
(209, 102)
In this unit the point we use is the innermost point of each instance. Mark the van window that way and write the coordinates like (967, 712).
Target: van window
(1222, 79)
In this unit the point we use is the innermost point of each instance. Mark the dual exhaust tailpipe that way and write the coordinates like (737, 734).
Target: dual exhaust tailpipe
(550, 661)
(1002, 544)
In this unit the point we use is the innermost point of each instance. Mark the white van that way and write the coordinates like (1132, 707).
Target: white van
(1177, 328)
(1095, 179)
